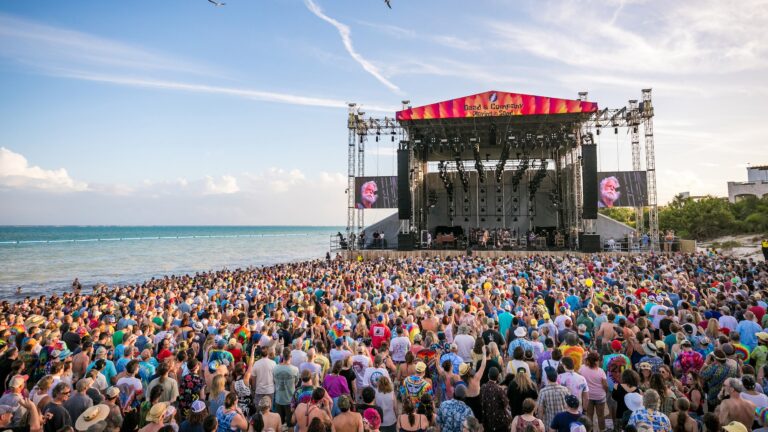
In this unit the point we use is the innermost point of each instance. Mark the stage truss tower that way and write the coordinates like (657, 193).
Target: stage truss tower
(631, 117)
(360, 127)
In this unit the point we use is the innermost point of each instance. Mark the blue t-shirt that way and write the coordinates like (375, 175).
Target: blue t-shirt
(562, 421)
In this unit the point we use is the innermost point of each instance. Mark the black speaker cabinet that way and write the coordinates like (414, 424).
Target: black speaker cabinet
(589, 242)
(405, 242)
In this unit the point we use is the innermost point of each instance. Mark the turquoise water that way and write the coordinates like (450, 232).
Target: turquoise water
(45, 259)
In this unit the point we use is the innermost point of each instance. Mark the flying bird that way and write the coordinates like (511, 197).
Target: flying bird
(215, 3)
(385, 1)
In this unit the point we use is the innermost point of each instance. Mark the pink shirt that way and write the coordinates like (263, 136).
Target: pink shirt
(594, 378)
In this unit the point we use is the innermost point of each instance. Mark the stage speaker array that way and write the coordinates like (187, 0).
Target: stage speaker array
(404, 204)
(589, 180)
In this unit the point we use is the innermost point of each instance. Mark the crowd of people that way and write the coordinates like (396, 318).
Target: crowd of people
(571, 343)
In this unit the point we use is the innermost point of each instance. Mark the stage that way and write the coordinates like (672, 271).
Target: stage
(499, 171)
(371, 254)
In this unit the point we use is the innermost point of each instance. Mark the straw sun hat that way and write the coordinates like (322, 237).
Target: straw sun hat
(34, 321)
(91, 416)
(157, 411)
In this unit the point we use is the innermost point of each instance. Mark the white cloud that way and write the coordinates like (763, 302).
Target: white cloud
(445, 40)
(227, 91)
(51, 47)
(16, 173)
(712, 36)
(457, 69)
(224, 185)
(66, 53)
(346, 38)
(276, 196)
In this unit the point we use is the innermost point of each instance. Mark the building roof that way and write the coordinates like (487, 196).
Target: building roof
(758, 167)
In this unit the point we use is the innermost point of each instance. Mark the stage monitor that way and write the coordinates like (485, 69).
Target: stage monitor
(376, 192)
(622, 189)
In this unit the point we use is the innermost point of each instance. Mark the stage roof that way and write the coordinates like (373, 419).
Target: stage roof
(496, 104)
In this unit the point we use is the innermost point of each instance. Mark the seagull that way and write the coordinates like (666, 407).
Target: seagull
(215, 3)
(385, 1)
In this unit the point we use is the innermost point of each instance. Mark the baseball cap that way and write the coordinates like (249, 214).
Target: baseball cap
(615, 345)
(572, 401)
(198, 406)
(420, 367)
(6, 409)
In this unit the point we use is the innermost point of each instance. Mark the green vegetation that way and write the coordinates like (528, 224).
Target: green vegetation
(704, 218)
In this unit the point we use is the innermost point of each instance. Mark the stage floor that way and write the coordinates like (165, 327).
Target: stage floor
(369, 254)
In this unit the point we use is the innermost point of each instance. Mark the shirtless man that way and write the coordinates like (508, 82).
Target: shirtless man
(271, 419)
(606, 333)
(319, 406)
(735, 408)
(347, 421)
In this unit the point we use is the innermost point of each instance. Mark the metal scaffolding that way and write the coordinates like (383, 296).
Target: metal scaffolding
(646, 110)
(360, 127)
(632, 117)
(633, 121)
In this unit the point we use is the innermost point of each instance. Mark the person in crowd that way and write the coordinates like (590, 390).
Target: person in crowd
(496, 416)
(450, 416)
(732, 406)
(526, 420)
(562, 421)
(551, 397)
(649, 415)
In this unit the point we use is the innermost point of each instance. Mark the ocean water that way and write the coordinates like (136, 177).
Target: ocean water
(46, 259)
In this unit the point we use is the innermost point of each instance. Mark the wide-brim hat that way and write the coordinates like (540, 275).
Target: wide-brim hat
(735, 426)
(520, 332)
(633, 401)
(157, 411)
(762, 336)
(34, 321)
(649, 348)
(91, 416)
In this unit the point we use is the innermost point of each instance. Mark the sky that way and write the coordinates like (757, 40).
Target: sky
(180, 112)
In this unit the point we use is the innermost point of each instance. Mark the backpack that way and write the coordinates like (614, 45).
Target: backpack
(617, 365)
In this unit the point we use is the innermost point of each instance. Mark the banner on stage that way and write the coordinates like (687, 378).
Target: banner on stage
(376, 192)
(622, 189)
(495, 104)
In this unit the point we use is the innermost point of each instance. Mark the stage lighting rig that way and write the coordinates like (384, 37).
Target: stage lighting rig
(503, 160)
(478, 162)
(541, 173)
(462, 174)
(520, 171)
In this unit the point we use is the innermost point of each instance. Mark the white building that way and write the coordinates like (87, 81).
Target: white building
(755, 186)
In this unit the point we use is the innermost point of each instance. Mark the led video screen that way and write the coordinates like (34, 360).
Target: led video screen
(376, 192)
(622, 189)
